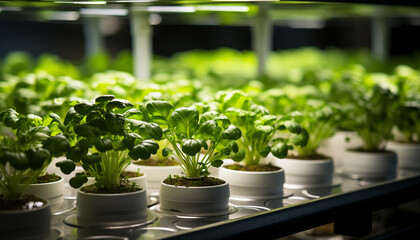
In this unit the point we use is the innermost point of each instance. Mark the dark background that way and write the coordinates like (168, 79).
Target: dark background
(66, 38)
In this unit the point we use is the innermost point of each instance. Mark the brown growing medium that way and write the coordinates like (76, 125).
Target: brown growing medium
(253, 168)
(157, 162)
(129, 174)
(48, 178)
(314, 156)
(187, 182)
(27, 202)
(123, 188)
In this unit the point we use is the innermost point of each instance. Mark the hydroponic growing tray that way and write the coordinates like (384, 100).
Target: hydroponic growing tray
(300, 208)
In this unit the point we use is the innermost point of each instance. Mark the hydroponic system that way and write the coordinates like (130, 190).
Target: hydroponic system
(133, 119)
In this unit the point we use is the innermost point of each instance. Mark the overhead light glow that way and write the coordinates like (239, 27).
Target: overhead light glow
(168, 9)
(61, 16)
(10, 9)
(103, 12)
(309, 23)
(85, 2)
(223, 8)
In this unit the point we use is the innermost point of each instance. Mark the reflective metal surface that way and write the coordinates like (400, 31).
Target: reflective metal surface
(160, 224)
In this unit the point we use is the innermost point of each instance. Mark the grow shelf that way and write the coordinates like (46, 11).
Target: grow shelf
(347, 202)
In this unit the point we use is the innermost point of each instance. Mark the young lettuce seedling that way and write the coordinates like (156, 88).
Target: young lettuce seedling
(262, 133)
(189, 133)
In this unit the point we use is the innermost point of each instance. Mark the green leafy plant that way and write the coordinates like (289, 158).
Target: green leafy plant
(189, 132)
(375, 117)
(407, 81)
(321, 120)
(105, 136)
(262, 133)
(27, 148)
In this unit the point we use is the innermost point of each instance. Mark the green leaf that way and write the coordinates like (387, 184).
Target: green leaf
(92, 159)
(217, 163)
(57, 145)
(85, 130)
(78, 180)
(209, 130)
(66, 166)
(76, 153)
(265, 151)
(84, 108)
(151, 146)
(293, 127)
(191, 146)
(154, 131)
(99, 124)
(166, 152)
(232, 133)
(133, 112)
(104, 98)
(234, 147)
(103, 144)
(18, 160)
(280, 150)
(139, 151)
(160, 108)
(301, 139)
(130, 138)
(10, 118)
(37, 157)
(72, 116)
(185, 121)
(239, 156)
(118, 103)
(115, 123)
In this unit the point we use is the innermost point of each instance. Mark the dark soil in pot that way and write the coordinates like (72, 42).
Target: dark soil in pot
(157, 162)
(123, 188)
(314, 156)
(48, 178)
(198, 182)
(129, 174)
(253, 168)
(27, 202)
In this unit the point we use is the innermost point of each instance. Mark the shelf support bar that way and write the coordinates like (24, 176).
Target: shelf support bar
(262, 38)
(380, 35)
(141, 35)
(94, 41)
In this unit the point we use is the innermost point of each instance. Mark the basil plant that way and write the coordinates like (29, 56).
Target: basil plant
(27, 146)
(190, 132)
(262, 132)
(105, 136)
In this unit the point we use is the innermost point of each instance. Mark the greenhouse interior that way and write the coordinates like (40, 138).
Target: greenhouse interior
(209, 119)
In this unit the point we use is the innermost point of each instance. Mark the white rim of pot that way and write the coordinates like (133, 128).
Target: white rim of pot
(203, 201)
(408, 155)
(302, 173)
(53, 192)
(254, 184)
(111, 209)
(33, 223)
(363, 165)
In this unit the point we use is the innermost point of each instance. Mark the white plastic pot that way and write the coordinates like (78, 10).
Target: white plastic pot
(53, 191)
(370, 165)
(26, 224)
(205, 200)
(306, 173)
(336, 146)
(408, 155)
(101, 210)
(155, 174)
(256, 185)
